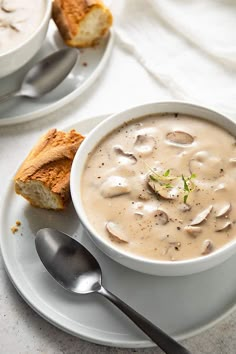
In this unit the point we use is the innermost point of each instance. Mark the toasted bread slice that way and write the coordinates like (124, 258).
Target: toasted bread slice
(44, 176)
(81, 22)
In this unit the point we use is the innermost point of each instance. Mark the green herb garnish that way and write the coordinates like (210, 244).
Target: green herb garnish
(188, 185)
(163, 179)
(166, 174)
(168, 185)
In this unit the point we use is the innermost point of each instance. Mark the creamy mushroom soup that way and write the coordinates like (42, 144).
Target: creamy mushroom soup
(18, 20)
(163, 187)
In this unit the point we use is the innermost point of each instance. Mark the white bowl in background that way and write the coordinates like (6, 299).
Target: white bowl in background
(142, 264)
(17, 57)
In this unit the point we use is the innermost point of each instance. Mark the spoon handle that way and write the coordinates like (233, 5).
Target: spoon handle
(165, 342)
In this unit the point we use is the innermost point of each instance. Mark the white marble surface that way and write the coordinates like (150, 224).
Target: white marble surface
(124, 83)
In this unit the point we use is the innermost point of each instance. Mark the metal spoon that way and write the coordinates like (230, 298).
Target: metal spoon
(47, 74)
(76, 270)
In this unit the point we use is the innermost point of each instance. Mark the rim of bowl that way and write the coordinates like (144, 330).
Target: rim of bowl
(46, 17)
(77, 200)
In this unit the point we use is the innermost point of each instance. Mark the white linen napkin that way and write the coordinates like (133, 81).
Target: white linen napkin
(188, 46)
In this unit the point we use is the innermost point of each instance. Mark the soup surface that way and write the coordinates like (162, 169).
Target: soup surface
(163, 187)
(18, 20)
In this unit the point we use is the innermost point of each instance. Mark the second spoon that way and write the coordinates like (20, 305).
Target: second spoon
(46, 75)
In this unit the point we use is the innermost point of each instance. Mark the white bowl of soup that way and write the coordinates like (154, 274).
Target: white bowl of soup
(154, 186)
(23, 27)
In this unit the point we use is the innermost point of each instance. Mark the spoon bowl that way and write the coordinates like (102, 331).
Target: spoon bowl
(46, 75)
(77, 270)
(80, 273)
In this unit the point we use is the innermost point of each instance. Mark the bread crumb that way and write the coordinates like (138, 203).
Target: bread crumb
(14, 229)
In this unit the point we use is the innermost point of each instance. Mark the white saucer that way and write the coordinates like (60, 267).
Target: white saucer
(182, 306)
(91, 63)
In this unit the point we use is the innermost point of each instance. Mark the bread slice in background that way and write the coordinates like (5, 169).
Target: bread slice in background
(81, 22)
(44, 176)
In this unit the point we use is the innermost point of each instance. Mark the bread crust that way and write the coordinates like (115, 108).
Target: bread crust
(69, 15)
(49, 164)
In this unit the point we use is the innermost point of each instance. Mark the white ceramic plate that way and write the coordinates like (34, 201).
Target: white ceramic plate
(91, 63)
(182, 306)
